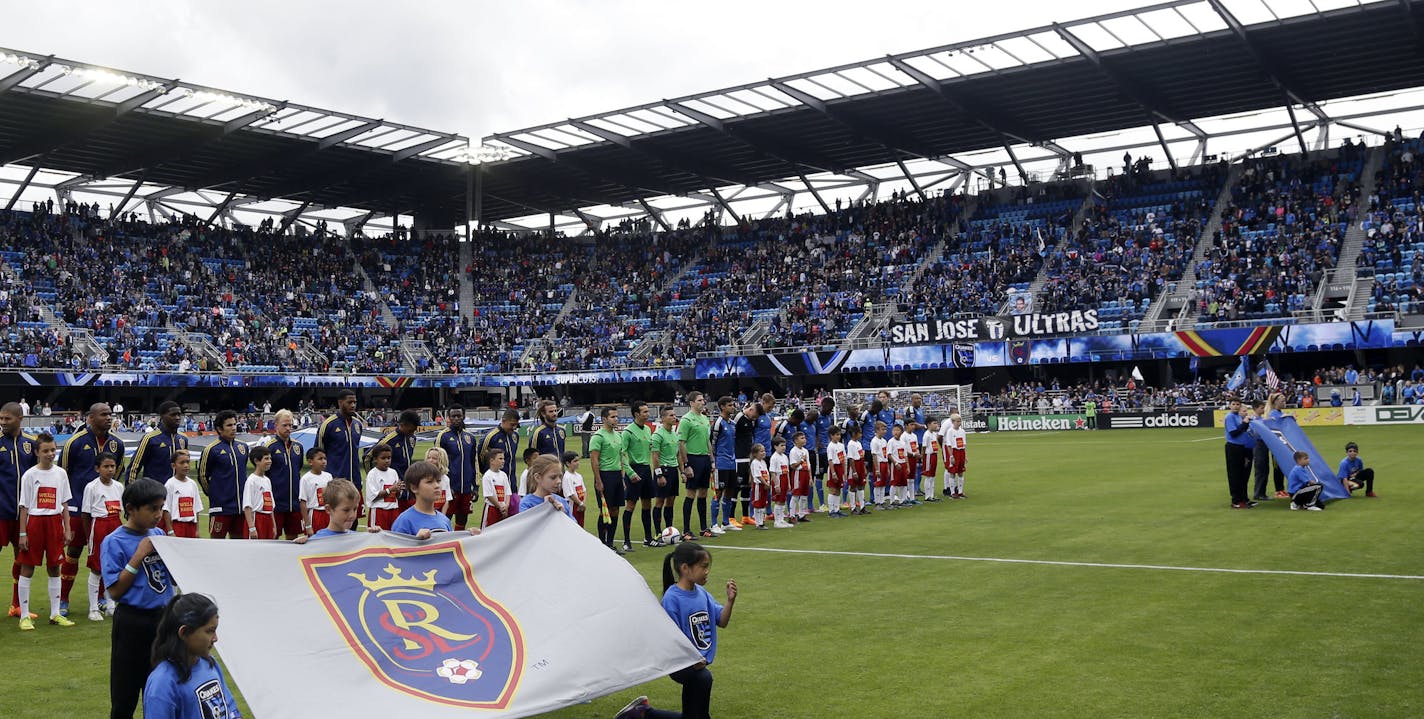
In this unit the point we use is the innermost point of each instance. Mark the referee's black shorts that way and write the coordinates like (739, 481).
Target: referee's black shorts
(701, 465)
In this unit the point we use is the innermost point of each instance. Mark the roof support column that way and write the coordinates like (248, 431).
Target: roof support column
(21, 189)
(725, 206)
(913, 183)
(1299, 137)
(1023, 176)
(290, 217)
(119, 209)
(1163, 142)
(657, 216)
(811, 188)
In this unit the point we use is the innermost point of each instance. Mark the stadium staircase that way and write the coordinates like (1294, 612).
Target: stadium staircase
(467, 285)
(203, 348)
(1361, 288)
(1035, 288)
(870, 325)
(82, 343)
(413, 351)
(1176, 311)
(9, 277)
(308, 352)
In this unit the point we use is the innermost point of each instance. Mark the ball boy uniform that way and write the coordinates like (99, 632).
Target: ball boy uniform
(183, 506)
(44, 493)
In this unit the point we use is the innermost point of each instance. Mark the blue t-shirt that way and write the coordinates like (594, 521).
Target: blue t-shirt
(1299, 478)
(412, 520)
(1238, 432)
(1349, 466)
(325, 532)
(696, 613)
(152, 588)
(531, 501)
(204, 696)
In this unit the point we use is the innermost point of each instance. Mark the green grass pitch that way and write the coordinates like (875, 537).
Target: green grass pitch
(935, 634)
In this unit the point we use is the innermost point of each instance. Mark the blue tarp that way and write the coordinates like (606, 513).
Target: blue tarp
(1284, 438)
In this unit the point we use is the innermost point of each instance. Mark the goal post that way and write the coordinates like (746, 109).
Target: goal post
(939, 400)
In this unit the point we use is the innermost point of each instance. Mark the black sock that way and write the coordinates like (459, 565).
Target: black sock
(627, 523)
(646, 514)
(746, 507)
(667, 514)
(658, 521)
(702, 512)
(687, 514)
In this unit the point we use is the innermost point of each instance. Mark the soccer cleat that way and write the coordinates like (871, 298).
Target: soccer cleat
(1294, 506)
(635, 709)
(717, 530)
(783, 525)
(63, 609)
(734, 524)
(15, 612)
(60, 620)
(824, 509)
(761, 526)
(708, 533)
(95, 615)
(1282, 495)
(652, 543)
(27, 624)
(1315, 508)
(747, 520)
(1260, 498)
(1242, 505)
(627, 547)
(1371, 494)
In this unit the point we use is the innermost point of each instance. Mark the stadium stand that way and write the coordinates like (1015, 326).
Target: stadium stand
(1394, 249)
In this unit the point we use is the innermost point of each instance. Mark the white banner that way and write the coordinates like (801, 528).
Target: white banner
(1385, 414)
(531, 616)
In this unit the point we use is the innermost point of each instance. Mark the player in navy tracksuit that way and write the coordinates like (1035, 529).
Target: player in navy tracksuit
(154, 456)
(286, 476)
(81, 461)
(402, 441)
(17, 454)
(223, 475)
(548, 436)
(459, 445)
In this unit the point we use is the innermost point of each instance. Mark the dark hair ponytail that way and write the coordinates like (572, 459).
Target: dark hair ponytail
(685, 553)
(186, 610)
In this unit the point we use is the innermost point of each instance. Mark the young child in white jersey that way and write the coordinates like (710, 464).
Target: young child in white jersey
(183, 502)
(899, 453)
(799, 459)
(954, 457)
(836, 472)
(44, 528)
(441, 459)
(257, 504)
(930, 463)
(495, 485)
(312, 499)
(574, 489)
(855, 460)
(880, 453)
(915, 454)
(780, 483)
(761, 485)
(383, 489)
(103, 512)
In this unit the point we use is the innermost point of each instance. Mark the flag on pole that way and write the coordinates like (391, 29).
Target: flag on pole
(531, 616)
(1238, 377)
(1193, 363)
(1272, 379)
(1136, 373)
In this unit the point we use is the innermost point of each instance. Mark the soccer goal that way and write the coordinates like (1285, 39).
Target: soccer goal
(939, 399)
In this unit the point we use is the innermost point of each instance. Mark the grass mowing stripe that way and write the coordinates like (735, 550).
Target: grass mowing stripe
(1106, 565)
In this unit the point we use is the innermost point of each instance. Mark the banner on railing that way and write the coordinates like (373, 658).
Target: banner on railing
(1304, 416)
(1165, 419)
(1385, 414)
(1037, 422)
(994, 328)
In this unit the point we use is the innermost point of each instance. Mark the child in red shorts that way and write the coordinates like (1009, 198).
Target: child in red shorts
(44, 528)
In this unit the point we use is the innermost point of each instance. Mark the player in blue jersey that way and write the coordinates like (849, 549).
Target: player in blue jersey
(459, 446)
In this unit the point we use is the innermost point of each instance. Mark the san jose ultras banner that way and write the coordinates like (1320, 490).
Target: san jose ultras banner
(530, 616)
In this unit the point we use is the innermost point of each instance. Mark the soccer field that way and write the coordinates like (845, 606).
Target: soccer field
(1135, 592)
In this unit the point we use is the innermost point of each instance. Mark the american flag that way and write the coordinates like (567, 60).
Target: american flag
(1272, 379)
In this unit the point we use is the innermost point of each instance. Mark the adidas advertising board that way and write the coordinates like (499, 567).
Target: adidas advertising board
(1153, 420)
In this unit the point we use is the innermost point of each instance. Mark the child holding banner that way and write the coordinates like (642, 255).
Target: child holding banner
(1353, 473)
(185, 681)
(138, 582)
(1304, 487)
(343, 503)
(699, 616)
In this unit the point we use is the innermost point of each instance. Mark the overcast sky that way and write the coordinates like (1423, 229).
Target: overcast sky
(481, 67)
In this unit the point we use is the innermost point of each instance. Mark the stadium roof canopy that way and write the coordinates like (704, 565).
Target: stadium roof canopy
(1171, 80)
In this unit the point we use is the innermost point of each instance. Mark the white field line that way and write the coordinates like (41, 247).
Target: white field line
(1001, 560)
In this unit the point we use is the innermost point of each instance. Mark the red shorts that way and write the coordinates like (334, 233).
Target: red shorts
(405, 502)
(882, 474)
(46, 536)
(459, 504)
(901, 473)
(781, 489)
(227, 526)
(320, 520)
(98, 529)
(77, 538)
(801, 487)
(857, 474)
(956, 461)
(185, 529)
(288, 523)
(833, 482)
(578, 514)
(913, 468)
(10, 534)
(759, 492)
(931, 466)
(266, 525)
(384, 518)
(491, 516)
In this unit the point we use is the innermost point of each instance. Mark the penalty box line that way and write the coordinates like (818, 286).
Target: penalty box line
(1104, 565)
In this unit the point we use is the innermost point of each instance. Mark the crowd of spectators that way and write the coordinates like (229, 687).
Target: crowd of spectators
(1280, 233)
(1394, 246)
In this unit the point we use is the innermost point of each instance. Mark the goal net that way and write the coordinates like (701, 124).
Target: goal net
(939, 400)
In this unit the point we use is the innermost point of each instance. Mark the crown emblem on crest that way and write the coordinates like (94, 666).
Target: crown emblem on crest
(395, 580)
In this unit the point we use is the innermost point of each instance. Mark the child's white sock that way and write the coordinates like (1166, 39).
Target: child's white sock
(97, 600)
(54, 596)
(25, 596)
(833, 502)
(759, 515)
(929, 487)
